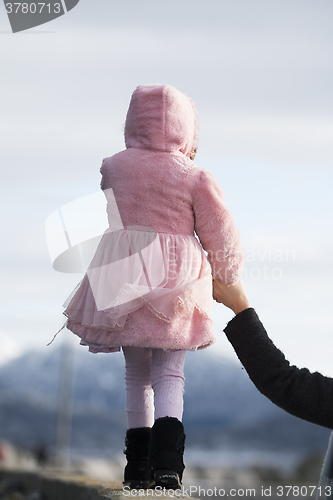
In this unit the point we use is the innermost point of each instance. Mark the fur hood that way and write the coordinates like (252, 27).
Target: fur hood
(161, 118)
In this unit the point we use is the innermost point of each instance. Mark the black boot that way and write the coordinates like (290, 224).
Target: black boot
(166, 452)
(137, 471)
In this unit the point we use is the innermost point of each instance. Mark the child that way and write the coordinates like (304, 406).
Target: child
(155, 275)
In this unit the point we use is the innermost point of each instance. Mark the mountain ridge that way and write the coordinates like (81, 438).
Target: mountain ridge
(222, 408)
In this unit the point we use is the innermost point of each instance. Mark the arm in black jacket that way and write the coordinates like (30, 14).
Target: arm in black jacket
(298, 391)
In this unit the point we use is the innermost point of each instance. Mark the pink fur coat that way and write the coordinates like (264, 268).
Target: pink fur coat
(156, 185)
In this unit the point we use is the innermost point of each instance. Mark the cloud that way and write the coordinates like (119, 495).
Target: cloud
(9, 349)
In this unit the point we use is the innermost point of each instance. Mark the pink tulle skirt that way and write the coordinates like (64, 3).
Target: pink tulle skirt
(133, 268)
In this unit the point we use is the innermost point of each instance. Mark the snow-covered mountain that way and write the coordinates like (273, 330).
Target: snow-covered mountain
(223, 409)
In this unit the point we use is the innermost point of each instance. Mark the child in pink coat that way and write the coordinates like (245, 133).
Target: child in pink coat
(148, 289)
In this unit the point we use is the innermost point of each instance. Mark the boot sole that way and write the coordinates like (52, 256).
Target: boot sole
(137, 484)
(167, 479)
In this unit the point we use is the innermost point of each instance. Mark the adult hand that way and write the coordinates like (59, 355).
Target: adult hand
(233, 296)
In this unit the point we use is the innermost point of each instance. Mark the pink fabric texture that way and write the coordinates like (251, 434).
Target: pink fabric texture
(179, 279)
(149, 373)
(156, 186)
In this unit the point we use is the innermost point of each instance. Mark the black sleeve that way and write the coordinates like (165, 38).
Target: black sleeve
(298, 391)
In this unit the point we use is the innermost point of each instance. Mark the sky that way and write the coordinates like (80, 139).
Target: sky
(260, 73)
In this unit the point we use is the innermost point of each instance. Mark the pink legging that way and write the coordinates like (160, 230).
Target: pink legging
(149, 373)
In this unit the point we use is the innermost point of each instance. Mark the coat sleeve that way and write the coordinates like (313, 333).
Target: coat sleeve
(296, 390)
(216, 230)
